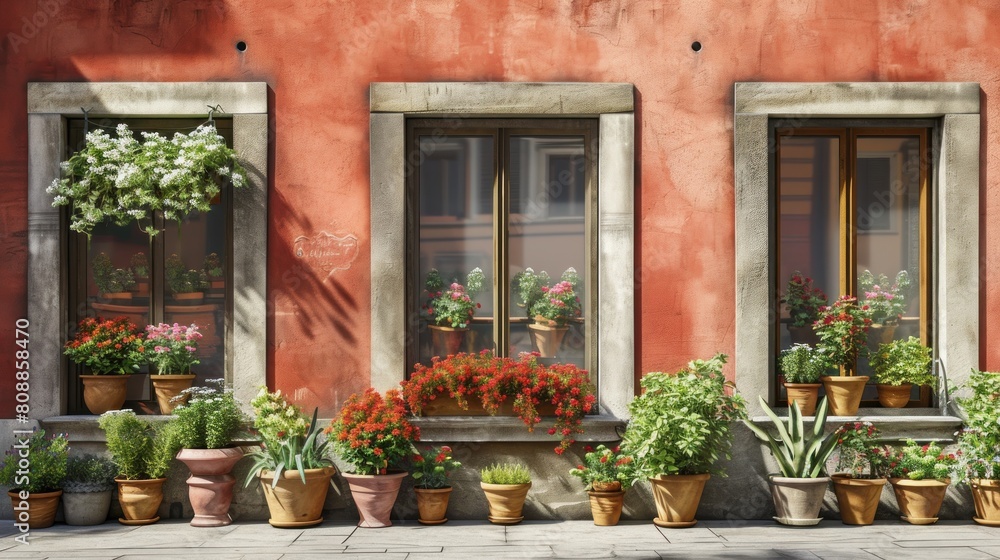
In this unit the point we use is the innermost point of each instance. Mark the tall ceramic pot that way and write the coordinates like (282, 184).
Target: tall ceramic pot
(919, 500)
(606, 500)
(210, 486)
(86, 504)
(432, 505)
(858, 498)
(797, 501)
(844, 393)
(506, 502)
(292, 503)
(986, 496)
(38, 509)
(677, 497)
(374, 494)
(806, 394)
(102, 393)
(168, 386)
(447, 340)
(140, 500)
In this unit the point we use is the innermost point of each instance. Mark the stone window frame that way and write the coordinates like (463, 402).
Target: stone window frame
(613, 104)
(49, 106)
(955, 197)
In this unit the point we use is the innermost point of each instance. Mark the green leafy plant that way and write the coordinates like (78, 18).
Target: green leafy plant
(800, 452)
(886, 303)
(454, 305)
(211, 419)
(183, 281)
(108, 279)
(140, 449)
(41, 467)
(923, 462)
(107, 347)
(803, 300)
(861, 453)
(979, 440)
(89, 473)
(288, 440)
(605, 465)
(681, 422)
(430, 468)
(903, 361)
(528, 287)
(140, 265)
(843, 332)
(511, 473)
(802, 364)
(213, 265)
(372, 432)
(556, 304)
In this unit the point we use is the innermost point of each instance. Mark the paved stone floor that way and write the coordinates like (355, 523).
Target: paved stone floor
(531, 539)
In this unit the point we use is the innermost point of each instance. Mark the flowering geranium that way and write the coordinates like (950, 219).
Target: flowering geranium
(372, 432)
(431, 467)
(843, 331)
(861, 453)
(112, 346)
(885, 302)
(558, 305)
(923, 462)
(172, 348)
(605, 465)
(803, 300)
(494, 381)
(453, 306)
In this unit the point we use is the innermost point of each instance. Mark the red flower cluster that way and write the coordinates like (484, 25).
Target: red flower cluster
(372, 432)
(112, 346)
(494, 381)
(843, 331)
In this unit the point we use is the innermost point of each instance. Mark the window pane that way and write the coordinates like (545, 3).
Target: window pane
(548, 233)
(455, 182)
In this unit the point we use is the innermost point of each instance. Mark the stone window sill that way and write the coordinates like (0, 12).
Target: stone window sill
(895, 424)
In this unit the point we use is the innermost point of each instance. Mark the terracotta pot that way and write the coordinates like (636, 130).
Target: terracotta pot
(190, 298)
(880, 334)
(806, 394)
(374, 494)
(140, 500)
(446, 406)
(432, 505)
(169, 386)
(141, 288)
(506, 502)
(210, 486)
(606, 507)
(86, 508)
(446, 340)
(919, 500)
(677, 497)
(803, 335)
(858, 498)
(102, 393)
(797, 501)
(292, 503)
(547, 339)
(120, 298)
(38, 511)
(598, 486)
(844, 393)
(894, 396)
(986, 496)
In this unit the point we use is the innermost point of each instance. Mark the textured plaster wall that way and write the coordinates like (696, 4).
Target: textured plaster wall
(319, 57)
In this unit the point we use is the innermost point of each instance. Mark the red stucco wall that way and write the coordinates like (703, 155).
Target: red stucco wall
(319, 57)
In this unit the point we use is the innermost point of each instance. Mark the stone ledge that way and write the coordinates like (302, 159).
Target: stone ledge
(501, 98)
(444, 429)
(921, 424)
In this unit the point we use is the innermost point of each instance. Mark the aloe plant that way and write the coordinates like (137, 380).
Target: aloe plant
(291, 453)
(800, 453)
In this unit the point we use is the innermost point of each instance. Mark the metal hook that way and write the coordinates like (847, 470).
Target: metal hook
(211, 111)
(86, 120)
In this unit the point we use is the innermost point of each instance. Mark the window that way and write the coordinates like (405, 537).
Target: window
(853, 199)
(503, 196)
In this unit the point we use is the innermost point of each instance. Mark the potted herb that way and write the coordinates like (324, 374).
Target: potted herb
(292, 462)
(90, 481)
(801, 454)
(899, 365)
(920, 479)
(862, 466)
(142, 452)
(483, 383)
(214, 271)
(886, 304)
(680, 427)
(206, 426)
(113, 284)
(430, 470)
(109, 350)
(140, 268)
(803, 302)
(34, 470)
(801, 367)
(506, 487)
(449, 310)
(551, 307)
(172, 350)
(979, 443)
(372, 434)
(607, 473)
(843, 330)
(187, 286)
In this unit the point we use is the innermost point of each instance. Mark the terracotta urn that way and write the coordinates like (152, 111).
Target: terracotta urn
(169, 386)
(432, 505)
(806, 394)
(140, 500)
(374, 494)
(677, 497)
(38, 510)
(986, 497)
(294, 504)
(844, 393)
(210, 486)
(919, 500)
(858, 498)
(606, 506)
(102, 393)
(506, 502)
(894, 396)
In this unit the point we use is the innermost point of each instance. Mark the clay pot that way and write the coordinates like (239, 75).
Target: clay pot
(118, 298)
(844, 393)
(806, 394)
(677, 497)
(432, 505)
(140, 500)
(190, 298)
(141, 288)
(547, 339)
(919, 500)
(986, 496)
(38, 511)
(210, 486)
(894, 396)
(598, 486)
(606, 507)
(375, 494)
(446, 340)
(102, 393)
(797, 501)
(506, 502)
(880, 334)
(167, 386)
(858, 498)
(292, 503)
(86, 508)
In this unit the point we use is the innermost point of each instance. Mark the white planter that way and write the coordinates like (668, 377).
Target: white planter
(86, 508)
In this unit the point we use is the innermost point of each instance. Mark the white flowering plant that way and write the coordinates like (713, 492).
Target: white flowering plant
(211, 418)
(121, 179)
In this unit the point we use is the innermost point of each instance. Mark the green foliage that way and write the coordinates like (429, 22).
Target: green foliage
(861, 453)
(431, 467)
(107, 347)
(979, 441)
(800, 453)
(803, 364)
(213, 266)
(140, 265)
(923, 462)
(211, 419)
(109, 279)
(605, 465)
(453, 305)
(46, 463)
(681, 422)
(842, 329)
(89, 473)
(903, 361)
(803, 300)
(886, 303)
(510, 473)
(183, 281)
(140, 449)
(372, 433)
(276, 419)
(290, 452)
(528, 287)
